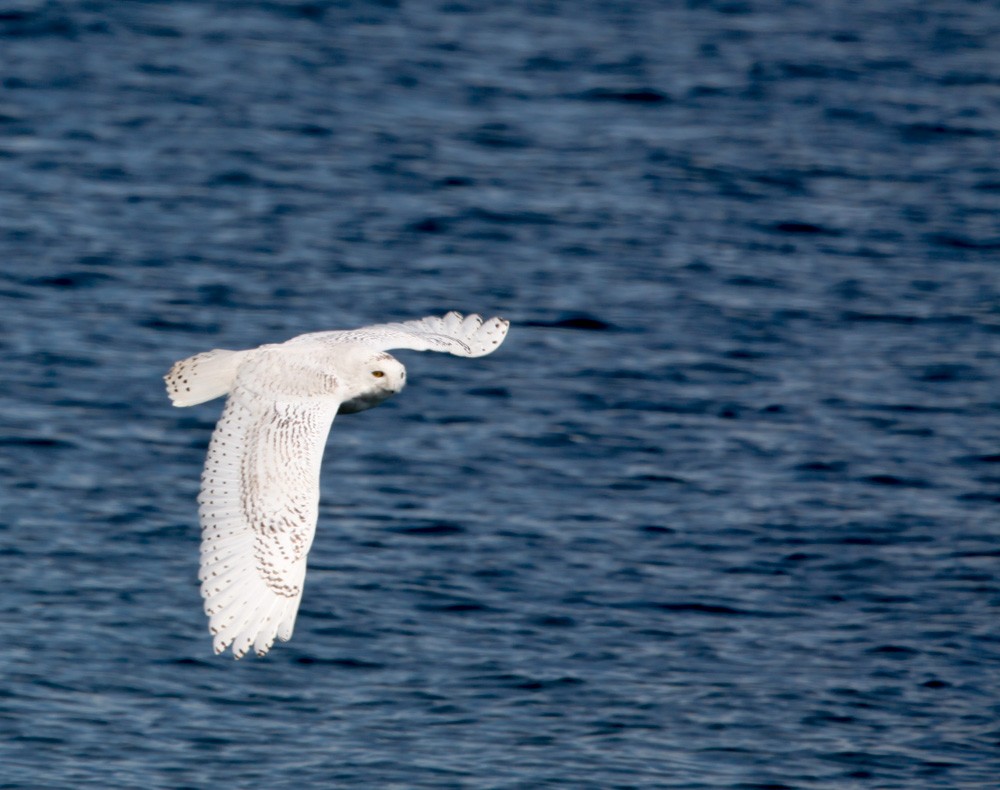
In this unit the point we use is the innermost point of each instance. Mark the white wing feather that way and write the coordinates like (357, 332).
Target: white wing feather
(258, 508)
(464, 336)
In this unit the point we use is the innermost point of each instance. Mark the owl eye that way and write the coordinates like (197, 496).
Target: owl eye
(378, 374)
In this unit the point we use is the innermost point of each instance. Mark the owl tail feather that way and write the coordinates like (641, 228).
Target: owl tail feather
(202, 377)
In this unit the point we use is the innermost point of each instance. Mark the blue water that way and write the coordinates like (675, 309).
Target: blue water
(721, 513)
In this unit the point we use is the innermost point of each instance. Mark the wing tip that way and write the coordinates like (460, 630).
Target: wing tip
(488, 334)
(245, 621)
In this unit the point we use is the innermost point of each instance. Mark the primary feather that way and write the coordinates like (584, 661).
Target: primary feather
(259, 497)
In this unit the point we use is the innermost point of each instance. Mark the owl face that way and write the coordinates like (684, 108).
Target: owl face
(373, 379)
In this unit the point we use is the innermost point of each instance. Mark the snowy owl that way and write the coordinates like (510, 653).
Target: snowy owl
(259, 497)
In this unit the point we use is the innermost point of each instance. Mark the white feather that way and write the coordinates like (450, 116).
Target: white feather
(202, 377)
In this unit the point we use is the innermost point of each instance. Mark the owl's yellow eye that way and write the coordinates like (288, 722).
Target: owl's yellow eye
(378, 374)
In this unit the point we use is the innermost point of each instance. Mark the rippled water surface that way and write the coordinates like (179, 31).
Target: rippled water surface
(723, 510)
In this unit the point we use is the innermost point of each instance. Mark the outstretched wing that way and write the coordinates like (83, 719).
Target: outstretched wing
(468, 336)
(259, 503)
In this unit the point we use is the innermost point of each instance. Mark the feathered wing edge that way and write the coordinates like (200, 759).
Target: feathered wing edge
(476, 336)
(464, 336)
(258, 508)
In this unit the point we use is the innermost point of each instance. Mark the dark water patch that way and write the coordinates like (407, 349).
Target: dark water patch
(679, 406)
(638, 483)
(699, 91)
(526, 683)
(79, 279)
(873, 760)
(493, 573)
(789, 181)
(223, 295)
(454, 182)
(616, 726)
(647, 96)
(339, 663)
(312, 11)
(498, 136)
(36, 442)
(801, 556)
(895, 651)
(430, 225)
(822, 467)
(815, 71)
(881, 318)
(583, 321)
(446, 419)
(762, 569)
(935, 132)
(36, 21)
(553, 621)
(927, 286)
(193, 427)
(746, 353)
(194, 662)
(216, 295)
(905, 408)
(959, 242)
(438, 529)
(168, 532)
(979, 496)
(804, 228)
(167, 325)
(717, 371)
(656, 529)
(452, 605)
(983, 553)
(490, 392)
(510, 217)
(749, 281)
(553, 439)
(700, 608)
(38, 740)
(310, 130)
(125, 408)
(894, 481)
(887, 63)
(949, 372)
(158, 69)
(9, 115)
(859, 540)
(238, 178)
(650, 477)
(99, 260)
(850, 290)
(18, 293)
(48, 360)
(547, 62)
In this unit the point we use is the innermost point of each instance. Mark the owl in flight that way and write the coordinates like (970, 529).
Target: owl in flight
(259, 497)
